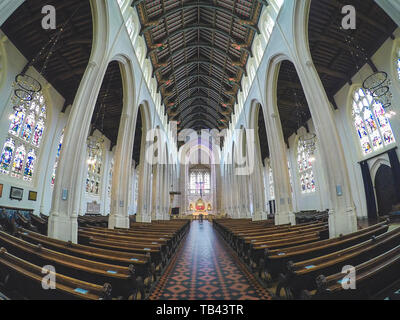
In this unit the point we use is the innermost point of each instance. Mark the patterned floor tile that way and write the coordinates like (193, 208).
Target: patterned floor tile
(205, 268)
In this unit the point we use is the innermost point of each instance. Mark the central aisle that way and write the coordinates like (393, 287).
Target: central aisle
(206, 269)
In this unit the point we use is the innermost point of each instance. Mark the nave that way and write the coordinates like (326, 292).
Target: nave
(206, 269)
(222, 259)
(123, 122)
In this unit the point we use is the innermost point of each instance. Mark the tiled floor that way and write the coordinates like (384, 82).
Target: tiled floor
(206, 269)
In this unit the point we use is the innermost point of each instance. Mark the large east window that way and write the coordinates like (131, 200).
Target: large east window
(371, 123)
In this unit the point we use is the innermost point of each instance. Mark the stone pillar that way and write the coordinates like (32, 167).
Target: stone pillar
(155, 192)
(245, 182)
(342, 215)
(144, 201)
(237, 199)
(230, 192)
(121, 180)
(166, 198)
(68, 187)
(257, 180)
(284, 209)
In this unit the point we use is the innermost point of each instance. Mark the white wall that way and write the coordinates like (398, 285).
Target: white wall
(14, 62)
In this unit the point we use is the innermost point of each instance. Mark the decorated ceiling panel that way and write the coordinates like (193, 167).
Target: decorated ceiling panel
(199, 51)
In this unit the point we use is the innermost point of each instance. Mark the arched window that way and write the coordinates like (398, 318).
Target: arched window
(95, 164)
(53, 176)
(25, 134)
(271, 184)
(305, 167)
(370, 120)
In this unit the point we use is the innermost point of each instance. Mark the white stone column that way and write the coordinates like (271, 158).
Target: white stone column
(256, 179)
(230, 192)
(392, 8)
(155, 192)
(342, 216)
(245, 181)
(121, 180)
(68, 187)
(236, 193)
(167, 185)
(284, 210)
(144, 201)
(63, 224)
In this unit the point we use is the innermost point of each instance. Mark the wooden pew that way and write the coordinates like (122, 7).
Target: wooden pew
(153, 239)
(24, 222)
(275, 260)
(245, 243)
(40, 224)
(15, 271)
(300, 275)
(123, 280)
(144, 268)
(373, 278)
(168, 239)
(158, 250)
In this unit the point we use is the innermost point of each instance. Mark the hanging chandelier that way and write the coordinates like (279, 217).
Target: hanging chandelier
(378, 84)
(25, 86)
(309, 143)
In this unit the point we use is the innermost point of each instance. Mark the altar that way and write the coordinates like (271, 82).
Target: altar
(200, 208)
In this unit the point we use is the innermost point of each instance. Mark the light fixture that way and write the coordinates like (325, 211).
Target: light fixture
(378, 84)
(309, 142)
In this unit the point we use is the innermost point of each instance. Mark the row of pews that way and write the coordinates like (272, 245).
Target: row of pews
(106, 264)
(301, 262)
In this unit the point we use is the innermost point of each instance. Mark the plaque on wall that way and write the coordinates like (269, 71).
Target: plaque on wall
(16, 193)
(1, 190)
(32, 196)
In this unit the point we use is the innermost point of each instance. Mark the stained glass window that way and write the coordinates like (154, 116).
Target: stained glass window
(29, 165)
(25, 133)
(6, 156)
(110, 177)
(18, 163)
(371, 122)
(200, 181)
(305, 168)
(290, 177)
(398, 64)
(95, 163)
(271, 184)
(53, 176)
